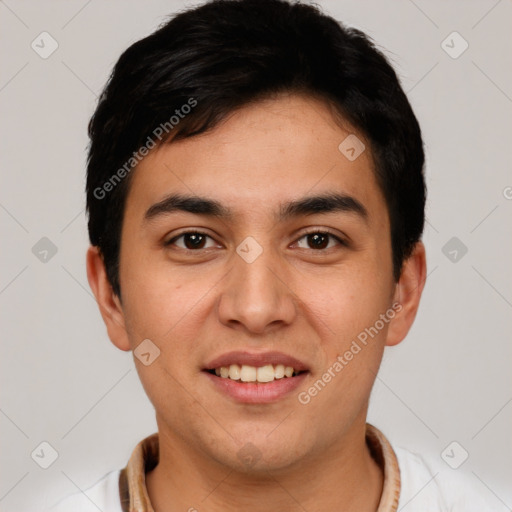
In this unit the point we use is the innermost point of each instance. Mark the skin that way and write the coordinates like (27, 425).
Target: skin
(303, 301)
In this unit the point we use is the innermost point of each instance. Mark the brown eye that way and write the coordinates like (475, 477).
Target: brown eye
(191, 240)
(194, 241)
(319, 240)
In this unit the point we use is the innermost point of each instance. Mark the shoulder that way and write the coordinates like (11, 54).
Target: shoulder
(102, 495)
(428, 483)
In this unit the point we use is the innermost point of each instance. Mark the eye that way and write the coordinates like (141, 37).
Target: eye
(314, 240)
(191, 240)
(320, 240)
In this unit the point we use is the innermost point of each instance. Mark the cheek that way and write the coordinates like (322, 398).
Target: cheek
(345, 304)
(351, 354)
(346, 311)
(158, 302)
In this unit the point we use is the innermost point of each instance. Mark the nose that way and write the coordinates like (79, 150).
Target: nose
(257, 296)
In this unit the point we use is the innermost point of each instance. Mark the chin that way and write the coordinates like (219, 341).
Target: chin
(258, 453)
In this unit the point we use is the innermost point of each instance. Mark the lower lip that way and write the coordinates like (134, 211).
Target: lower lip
(257, 392)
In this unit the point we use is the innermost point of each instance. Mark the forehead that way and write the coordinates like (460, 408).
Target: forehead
(261, 155)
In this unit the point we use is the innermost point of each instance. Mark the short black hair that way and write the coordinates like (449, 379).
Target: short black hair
(208, 61)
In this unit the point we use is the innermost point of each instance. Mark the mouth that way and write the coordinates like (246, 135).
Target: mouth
(261, 374)
(255, 378)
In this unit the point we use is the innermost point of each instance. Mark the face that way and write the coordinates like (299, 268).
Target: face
(250, 277)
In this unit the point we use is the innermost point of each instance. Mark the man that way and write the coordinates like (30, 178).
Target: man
(256, 202)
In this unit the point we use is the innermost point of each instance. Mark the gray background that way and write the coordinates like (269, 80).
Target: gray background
(63, 382)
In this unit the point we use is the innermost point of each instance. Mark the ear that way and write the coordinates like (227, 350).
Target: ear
(407, 295)
(110, 306)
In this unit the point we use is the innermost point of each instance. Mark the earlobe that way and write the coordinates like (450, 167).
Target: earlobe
(408, 294)
(109, 304)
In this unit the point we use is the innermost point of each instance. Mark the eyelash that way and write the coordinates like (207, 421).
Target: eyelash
(305, 234)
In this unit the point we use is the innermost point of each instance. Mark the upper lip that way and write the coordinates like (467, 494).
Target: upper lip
(242, 357)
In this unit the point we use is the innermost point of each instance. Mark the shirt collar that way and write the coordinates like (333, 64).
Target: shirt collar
(134, 494)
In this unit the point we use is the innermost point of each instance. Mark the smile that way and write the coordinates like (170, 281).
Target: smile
(255, 378)
(262, 374)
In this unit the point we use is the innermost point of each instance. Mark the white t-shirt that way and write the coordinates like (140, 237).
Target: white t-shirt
(103, 495)
(429, 485)
(423, 489)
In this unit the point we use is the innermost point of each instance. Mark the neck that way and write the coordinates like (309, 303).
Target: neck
(340, 477)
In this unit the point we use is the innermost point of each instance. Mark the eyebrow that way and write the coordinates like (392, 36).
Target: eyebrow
(309, 205)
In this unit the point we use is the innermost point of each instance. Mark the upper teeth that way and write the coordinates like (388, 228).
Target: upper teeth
(247, 373)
